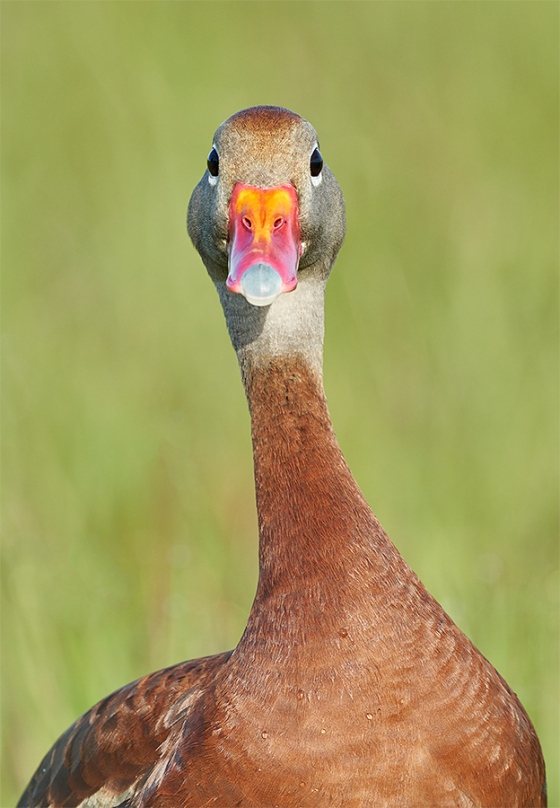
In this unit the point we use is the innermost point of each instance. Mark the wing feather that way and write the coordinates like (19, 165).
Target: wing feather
(113, 747)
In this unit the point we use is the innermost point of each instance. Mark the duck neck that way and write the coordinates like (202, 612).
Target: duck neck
(320, 546)
(314, 524)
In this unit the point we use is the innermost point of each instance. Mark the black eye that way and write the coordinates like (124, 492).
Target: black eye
(316, 163)
(213, 163)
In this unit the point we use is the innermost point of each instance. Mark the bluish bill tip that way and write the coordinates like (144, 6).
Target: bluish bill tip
(261, 284)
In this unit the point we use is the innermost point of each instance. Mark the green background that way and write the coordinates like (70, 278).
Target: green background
(129, 528)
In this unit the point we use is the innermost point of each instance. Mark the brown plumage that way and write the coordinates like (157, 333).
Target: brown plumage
(350, 685)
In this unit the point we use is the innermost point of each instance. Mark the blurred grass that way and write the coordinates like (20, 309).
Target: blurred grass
(129, 533)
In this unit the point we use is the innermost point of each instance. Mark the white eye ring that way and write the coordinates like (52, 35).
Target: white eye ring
(315, 181)
(212, 180)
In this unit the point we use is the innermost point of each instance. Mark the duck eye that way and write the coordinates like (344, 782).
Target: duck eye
(213, 163)
(316, 163)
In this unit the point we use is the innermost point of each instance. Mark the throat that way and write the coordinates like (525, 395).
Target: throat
(292, 326)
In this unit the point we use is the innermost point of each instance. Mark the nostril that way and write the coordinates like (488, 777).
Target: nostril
(278, 222)
(247, 222)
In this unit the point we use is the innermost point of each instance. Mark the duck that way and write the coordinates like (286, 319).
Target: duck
(350, 685)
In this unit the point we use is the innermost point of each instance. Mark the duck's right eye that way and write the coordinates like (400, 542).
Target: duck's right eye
(316, 163)
(213, 163)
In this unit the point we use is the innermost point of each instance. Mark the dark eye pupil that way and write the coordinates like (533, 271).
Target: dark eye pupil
(316, 163)
(213, 163)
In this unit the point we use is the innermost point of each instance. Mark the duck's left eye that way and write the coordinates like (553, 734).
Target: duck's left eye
(315, 163)
(213, 163)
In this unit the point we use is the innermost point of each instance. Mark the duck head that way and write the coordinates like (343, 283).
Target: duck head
(267, 212)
